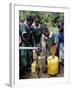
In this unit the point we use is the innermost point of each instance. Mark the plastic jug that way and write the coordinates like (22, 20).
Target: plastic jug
(33, 66)
(52, 63)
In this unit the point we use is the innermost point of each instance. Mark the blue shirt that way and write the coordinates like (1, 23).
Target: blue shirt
(60, 43)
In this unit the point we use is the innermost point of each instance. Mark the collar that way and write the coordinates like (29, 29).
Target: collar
(25, 23)
(36, 26)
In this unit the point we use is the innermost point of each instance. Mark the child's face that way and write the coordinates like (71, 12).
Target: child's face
(46, 33)
(61, 28)
(29, 23)
(37, 22)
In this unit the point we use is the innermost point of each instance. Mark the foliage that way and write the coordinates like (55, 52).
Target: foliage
(48, 18)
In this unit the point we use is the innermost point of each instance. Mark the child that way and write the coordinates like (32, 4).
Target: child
(60, 41)
(46, 40)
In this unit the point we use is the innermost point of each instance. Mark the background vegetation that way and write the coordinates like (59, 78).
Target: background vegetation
(48, 18)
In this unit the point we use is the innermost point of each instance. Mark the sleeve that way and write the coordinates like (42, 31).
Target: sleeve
(42, 41)
(23, 30)
(57, 44)
(57, 37)
(33, 30)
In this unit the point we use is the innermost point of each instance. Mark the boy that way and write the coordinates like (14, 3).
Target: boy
(37, 31)
(46, 40)
(60, 41)
(26, 32)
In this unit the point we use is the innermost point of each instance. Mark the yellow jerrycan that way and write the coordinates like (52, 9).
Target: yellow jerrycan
(33, 66)
(52, 63)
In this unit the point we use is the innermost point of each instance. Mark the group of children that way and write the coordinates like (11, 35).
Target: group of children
(33, 34)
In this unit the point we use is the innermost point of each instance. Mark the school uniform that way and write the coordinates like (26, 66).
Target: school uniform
(27, 42)
(46, 42)
(37, 32)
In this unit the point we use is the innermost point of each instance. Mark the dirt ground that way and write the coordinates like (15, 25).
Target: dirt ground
(31, 75)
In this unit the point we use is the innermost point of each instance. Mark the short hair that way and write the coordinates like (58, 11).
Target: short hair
(45, 29)
(61, 25)
(30, 18)
(37, 16)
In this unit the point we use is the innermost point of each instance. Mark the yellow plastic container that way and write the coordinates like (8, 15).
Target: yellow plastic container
(33, 66)
(52, 65)
(53, 49)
